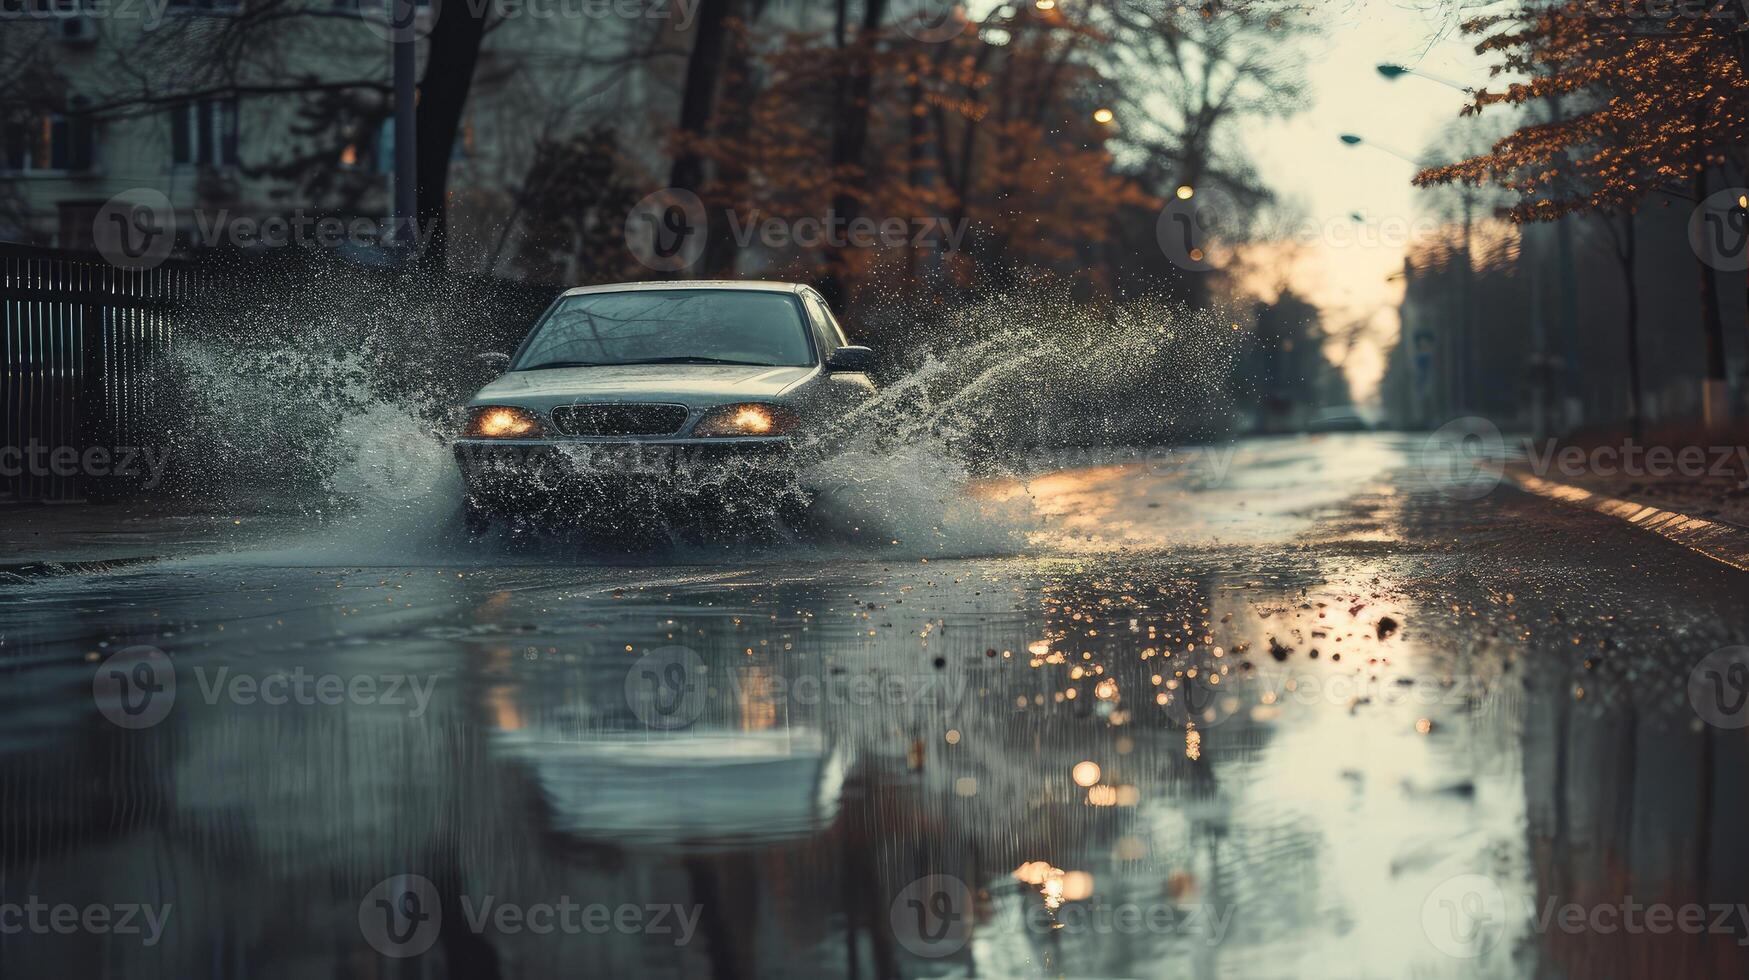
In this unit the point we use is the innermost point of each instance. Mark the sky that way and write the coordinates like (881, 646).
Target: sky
(1343, 268)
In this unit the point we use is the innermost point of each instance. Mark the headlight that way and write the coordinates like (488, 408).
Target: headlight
(501, 422)
(747, 420)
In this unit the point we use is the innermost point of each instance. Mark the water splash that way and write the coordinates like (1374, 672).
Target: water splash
(347, 419)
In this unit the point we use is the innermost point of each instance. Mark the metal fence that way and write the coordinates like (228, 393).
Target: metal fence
(81, 337)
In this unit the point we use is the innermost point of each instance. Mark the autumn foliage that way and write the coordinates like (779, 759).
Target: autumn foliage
(1629, 108)
(996, 143)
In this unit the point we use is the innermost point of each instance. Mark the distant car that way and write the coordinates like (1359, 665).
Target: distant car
(1339, 418)
(695, 392)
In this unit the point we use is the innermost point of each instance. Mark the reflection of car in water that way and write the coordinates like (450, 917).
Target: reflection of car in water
(694, 788)
(695, 390)
(1337, 418)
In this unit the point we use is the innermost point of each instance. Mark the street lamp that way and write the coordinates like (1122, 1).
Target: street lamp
(1569, 289)
(1352, 140)
(1461, 369)
(1392, 72)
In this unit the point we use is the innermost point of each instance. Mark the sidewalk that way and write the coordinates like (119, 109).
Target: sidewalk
(46, 539)
(1707, 511)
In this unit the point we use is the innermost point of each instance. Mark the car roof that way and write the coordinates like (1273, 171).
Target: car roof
(750, 285)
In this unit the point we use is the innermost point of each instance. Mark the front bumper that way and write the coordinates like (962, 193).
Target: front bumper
(536, 475)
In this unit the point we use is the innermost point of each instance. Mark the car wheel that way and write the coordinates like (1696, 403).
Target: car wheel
(475, 519)
(793, 507)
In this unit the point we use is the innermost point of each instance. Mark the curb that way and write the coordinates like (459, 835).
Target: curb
(1718, 540)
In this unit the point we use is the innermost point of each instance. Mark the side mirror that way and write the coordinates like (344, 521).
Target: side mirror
(850, 360)
(496, 361)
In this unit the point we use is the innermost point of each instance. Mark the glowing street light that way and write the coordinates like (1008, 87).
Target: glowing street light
(1103, 116)
(1186, 192)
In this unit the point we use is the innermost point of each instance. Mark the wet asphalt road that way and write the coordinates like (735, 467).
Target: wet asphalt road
(1287, 713)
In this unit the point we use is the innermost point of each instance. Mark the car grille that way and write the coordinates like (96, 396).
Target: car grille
(619, 420)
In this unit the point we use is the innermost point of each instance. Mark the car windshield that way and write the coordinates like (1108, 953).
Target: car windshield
(672, 326)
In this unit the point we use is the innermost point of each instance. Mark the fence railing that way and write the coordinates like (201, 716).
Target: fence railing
(80, 339)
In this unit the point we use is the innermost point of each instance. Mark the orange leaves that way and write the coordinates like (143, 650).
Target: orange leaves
(1633, 111)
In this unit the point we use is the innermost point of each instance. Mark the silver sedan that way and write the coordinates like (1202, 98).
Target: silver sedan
(696, 392)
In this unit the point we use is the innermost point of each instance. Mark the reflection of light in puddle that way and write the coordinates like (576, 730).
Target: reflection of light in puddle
(1277, 491)
(1055, 885)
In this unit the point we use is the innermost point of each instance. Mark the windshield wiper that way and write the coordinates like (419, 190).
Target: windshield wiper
(697, 360)
(560, 364)
(651, 360)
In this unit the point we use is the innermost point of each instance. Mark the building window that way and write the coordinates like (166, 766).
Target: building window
(386, 146)
(49, 143)
(203, 133)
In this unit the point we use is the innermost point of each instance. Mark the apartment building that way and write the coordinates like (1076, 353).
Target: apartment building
(241, 112)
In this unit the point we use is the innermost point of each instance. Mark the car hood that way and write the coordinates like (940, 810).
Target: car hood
(689, 384)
